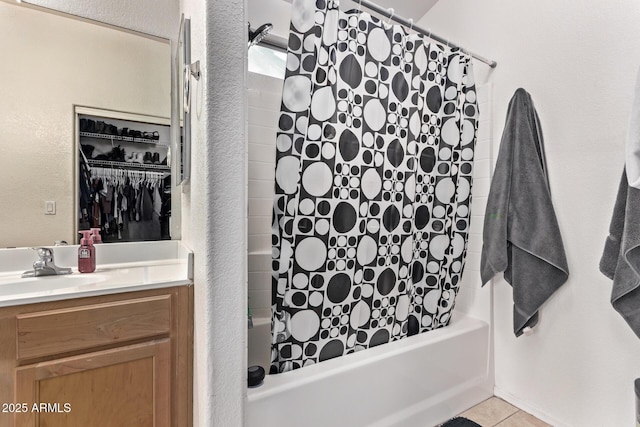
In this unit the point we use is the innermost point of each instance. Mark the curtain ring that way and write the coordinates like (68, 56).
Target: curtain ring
(446, 41)
(411, 24)
(359, 6)
(392, 12)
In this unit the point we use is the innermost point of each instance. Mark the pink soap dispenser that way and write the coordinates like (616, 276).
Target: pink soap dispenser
(95, 236)
(86, 253)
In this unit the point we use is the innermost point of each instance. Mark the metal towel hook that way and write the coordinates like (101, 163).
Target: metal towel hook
(392, 12)
(359, 6)
(411, 24)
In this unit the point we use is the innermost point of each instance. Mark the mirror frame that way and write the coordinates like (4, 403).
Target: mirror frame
(182, 102)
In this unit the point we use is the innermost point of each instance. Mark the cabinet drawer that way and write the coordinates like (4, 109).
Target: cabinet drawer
(54, 332)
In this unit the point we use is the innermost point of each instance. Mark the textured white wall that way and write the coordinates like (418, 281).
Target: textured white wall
(215, 211)
(160, 18)
(51, 63)
(578, 60)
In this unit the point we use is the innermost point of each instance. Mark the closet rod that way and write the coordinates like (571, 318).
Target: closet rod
(280, 43)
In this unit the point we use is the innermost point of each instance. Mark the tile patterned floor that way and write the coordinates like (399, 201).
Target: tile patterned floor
(495, 412)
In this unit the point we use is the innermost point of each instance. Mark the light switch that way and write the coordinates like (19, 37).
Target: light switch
(50, 207)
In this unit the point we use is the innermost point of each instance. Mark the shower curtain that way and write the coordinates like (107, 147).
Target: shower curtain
(373, 185)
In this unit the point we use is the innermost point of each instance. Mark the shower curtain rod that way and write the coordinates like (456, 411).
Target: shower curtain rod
(281, 43)
(400, 20)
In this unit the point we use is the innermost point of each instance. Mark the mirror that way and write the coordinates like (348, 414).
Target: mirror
(190, 74)
(54, 65)
(124, 175)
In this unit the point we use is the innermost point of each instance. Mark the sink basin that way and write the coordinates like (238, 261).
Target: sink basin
(108, 279)
(12, 285)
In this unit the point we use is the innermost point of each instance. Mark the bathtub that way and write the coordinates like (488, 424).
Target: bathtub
(420, 381)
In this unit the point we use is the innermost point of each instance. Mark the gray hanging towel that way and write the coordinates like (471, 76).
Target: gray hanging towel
(621, 258)
(521, 235)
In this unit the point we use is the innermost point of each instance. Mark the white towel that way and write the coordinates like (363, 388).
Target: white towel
(633, 140)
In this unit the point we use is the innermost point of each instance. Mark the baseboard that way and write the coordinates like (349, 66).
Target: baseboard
(527, 407)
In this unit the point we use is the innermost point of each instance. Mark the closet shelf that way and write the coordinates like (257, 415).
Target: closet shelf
(125, 165)
(121, 138)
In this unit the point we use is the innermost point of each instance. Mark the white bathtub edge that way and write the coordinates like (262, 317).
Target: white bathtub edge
(461, 397)
(274, 384)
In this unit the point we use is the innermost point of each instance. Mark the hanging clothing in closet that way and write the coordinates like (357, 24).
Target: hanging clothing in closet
(126, 205)
(84, 190)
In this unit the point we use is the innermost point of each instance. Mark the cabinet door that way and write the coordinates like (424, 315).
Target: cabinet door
(126, 386)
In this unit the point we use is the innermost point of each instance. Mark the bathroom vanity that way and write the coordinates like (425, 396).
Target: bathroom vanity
(110, 348)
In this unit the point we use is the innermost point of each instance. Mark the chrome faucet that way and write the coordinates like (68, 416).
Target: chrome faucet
(45, 265)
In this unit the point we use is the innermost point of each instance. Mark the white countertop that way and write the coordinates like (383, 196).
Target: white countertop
(140, 274)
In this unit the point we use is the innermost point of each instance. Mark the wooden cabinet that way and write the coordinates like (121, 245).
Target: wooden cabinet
(125, 386)
(117, 360)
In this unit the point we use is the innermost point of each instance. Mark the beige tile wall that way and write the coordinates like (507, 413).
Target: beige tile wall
(264, 107)
(472, 298)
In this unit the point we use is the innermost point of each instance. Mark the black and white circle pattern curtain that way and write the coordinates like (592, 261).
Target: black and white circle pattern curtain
(373, 185)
